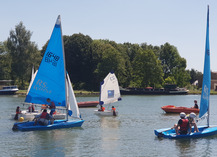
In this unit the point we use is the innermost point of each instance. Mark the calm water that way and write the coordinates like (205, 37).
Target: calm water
(129, 134)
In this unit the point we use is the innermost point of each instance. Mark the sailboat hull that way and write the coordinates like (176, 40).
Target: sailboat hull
(58, 124)
(203, 132)
(31, 115)
(105, 113)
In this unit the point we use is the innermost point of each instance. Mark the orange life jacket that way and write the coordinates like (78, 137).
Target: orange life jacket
(43, 107)
(113, 109)
(103, 108)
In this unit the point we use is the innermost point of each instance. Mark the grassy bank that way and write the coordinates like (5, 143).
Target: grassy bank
(212, 92)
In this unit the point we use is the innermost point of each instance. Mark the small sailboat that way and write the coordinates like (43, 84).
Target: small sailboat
(52, 81)
(31, 112)
(109, 93)
(204, 103)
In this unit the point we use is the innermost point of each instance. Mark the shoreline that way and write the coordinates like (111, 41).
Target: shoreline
(90, 93)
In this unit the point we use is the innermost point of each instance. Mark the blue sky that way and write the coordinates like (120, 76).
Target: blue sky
(181, 23)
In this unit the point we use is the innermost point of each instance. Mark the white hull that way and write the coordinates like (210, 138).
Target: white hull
(31, 115)
(105, 113)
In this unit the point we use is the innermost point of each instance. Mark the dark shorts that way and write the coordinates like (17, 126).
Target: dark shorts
(183, 132)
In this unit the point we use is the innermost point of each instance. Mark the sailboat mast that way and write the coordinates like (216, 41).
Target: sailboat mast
(64, 69)
(208, 51)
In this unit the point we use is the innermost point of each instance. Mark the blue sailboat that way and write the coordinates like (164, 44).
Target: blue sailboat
(204, 103)
(52, 81)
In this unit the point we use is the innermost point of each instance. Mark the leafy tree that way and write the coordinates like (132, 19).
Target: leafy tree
(182, 77)
(170, 59)
(108, 57)
(147, 69)
(5, 63)
(195, 75)
(79, 60)
(23, 52)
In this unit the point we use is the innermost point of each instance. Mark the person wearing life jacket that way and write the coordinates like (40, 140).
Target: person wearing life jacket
(182, 126)
(192, 122)
(114, 111)
(43, 118)
(17, 113)
(102, 108)
(31, 108)
(43, 106)
(52, 106)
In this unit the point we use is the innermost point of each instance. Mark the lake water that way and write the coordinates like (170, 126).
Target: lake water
(130, 134)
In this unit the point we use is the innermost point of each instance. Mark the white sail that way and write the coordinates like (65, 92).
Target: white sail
(32, 78)
(110, 91)
(73, 106)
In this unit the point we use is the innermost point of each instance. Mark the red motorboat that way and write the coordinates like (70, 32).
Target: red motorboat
(88, 104)
(178, 109)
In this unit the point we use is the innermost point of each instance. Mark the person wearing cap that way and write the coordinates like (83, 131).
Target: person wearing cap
(192, 122)
(195, 104)
(182, 126)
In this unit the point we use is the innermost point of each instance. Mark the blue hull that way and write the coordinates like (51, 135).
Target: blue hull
(58, 124)
(203, 132)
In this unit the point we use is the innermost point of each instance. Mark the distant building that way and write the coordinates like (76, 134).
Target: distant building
(213, 81)
(5, 82)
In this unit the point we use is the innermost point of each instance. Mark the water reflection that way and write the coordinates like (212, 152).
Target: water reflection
(110, 135)
(55, 140)
(185, 146)
(200, 146)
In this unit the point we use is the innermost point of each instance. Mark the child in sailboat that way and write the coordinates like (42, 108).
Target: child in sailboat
(43, 118)
(102, 108)
(182, 126)
(192, 122)
(113, 109)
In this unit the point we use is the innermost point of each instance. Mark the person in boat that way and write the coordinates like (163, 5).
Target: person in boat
(18, 111)
(114, 111)
(43, 118)
(31, 108)
(192, 122)
(52, 106)
(183, 125)
(195, 104)
(102, 108)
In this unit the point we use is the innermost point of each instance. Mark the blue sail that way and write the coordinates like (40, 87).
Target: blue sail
(204, 103)
(50, 79)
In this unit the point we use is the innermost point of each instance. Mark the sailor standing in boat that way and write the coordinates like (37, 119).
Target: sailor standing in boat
(51, 106)
(182, 126)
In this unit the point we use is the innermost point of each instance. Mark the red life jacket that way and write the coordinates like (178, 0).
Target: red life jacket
(43, 115)
(113, 109)
(103, 108)
(52, 106)
(184, 125)
(17, 111)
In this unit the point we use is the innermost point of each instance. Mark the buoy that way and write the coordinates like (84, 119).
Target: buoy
(21, 119)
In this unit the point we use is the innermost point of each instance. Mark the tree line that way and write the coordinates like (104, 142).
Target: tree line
(88, 61)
